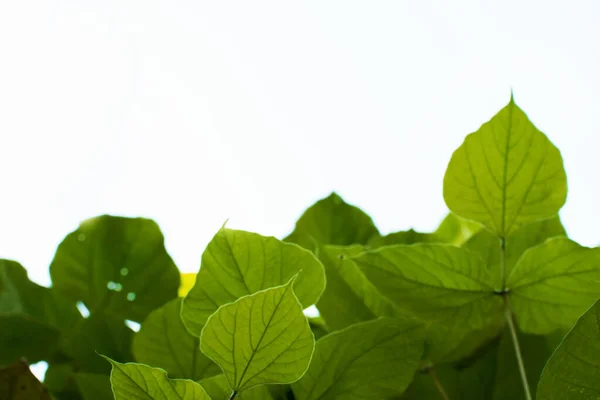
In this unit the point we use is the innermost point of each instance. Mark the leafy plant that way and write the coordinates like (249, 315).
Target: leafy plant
(473, 310)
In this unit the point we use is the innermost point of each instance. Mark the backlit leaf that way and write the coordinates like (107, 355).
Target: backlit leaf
(217, 387)
(553, 284)
(456, 230)
(506, 174)
(164, 342)
(439, 283)
(140, 381)
(332, 221)
(260, 338)
(371, 360)
(573, 371)
(488, 246)
(237, 263)
(118, 265)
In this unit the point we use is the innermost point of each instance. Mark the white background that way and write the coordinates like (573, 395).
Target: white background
(192, 112)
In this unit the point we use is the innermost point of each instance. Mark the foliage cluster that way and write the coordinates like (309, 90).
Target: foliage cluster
(475, 310)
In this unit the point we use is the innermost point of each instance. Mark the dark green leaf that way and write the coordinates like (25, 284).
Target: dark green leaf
(94, 386)
(349, 296)
(332, 221)
(553, 284)
(140, 381)
(573, 371)
(371, 360)
(32, 317)
(506, 174)
(118, 265)
(238, 263)
(164, 342)
(260, 338)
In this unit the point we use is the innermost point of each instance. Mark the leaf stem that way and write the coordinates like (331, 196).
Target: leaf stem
(234, 395)
(438, 384)
(503, 263)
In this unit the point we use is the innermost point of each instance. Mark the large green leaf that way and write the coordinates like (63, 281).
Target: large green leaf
(553, 284)
(573, 371)
(506, 174)
(164, 342)
(117, 265)
(98, 334)
(32, 317)
(332, 221)
(237, 263)
(374, 359)
(440, 283)
(140, 381)
(530, 235)
(349, 296)
(260, 338)
(217, 388)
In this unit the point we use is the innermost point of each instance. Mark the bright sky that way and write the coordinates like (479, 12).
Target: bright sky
(192, 112)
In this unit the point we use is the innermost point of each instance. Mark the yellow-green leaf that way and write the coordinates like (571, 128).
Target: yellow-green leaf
(506, 174)
(139, 381)
(260, 338)
(237, 263)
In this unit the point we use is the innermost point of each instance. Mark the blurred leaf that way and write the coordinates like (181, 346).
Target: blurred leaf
(447, 285)
(404, 237)
(141, 381)
(553, 284)
(94, 386)
(237, 263)
(187, 283)
(261, 338)
(506, 174)
(374, 359)
(117, 265)
(32, 317)
(456, 230)
(573, 371)
(164, 342)
(18, 383)
(349, 296)
(98, 334)
(332, 221)
(488, 246)
(217, 387)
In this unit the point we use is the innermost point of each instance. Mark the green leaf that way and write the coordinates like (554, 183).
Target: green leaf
(18, 383)
(164, 342)
(118, 265)
(447, 285)
(261, 338)
(456, 230)
(133, 380)
(217, 387)
(553, 284)
(573, 371)
(32, 317)
(349, 296)
(94, 386)
(332, 221)
(530, 235)
(374, 359)
(237, 263)
(506, 174)
(404, 237)
(98, 334)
